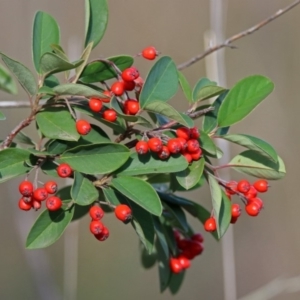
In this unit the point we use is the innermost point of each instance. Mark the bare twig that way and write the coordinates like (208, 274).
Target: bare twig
(14, 104)
(229, 41)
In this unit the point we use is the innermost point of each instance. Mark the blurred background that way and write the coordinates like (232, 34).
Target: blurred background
(266, 250)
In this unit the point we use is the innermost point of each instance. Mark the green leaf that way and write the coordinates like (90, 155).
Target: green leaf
(167, 110)
(140, 192)
(7, 83)
(208, 146)
(57, 123)
(150, 164)
(51, 63)
(12, 163)
(97, 21)
(58, 50)
(48, 228)
(254, 144)
(51, 81)
(189, 177)
(100, 70)
(205, 89)
(76, 90)
(45, 90)
(243, 98)
(83, 191)
(161, 236)
(22, 138)
(175, 186)
(186, 88)
(45, 33)
(97, 158)
(221, 206)
(176, 281)
(148, 260)
(161, 83)
(252, 163)
(178, 215)
(22, 73)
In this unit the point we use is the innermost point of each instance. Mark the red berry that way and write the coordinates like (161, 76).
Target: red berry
(184, 261)
(130, 74)
(257, 201)
(123, 213)
(64, 170)
(26, 188)
(182, 142)
(188, 253)
(96, 227)
(51, 187)
(198, 237)
(192, 146)
(36, 204)
(174, 146)
(95, 104)
(108, 94)
(139, 82)
(131, 107)
(183, 244)
(110, 115)
(243, 186)
(129, 85)
(194, 132)
(164, 153)
(24, 205)
(233, 220)
(155, 144)
(53, 203)
(83, 127)
(175, 265)
(142, 147)
(40, 194)
(103, 235)
(252, 209)
(235, 210)
(261, 185)
(231, 187)
(210, 224)
(183, 132)
(96, 213)
(118, 88)
(188, 157)
(149, 53)
(196, 155)
(196, 248)
(252, 193)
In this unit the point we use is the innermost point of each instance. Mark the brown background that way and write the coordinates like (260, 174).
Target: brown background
(266, 247)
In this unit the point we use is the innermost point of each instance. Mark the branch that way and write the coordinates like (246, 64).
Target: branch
(229, 41)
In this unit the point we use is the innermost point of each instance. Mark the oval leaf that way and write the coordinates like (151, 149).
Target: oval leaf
(97, 21)
(243, 98)
(48, 228)
(161, 83)
(97, 158)
(83, 192)
(76, 90)
(140, 192)
(186, 88)
(57, 123)
(208, 146)
(45, 33)
(250, 162)
(205, 89)
(7, 84)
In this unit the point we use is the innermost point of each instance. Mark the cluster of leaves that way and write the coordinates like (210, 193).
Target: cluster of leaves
(108, 171)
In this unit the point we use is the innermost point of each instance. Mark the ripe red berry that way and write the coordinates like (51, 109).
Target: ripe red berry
(235, 210)
(164, 153)
(257, 201)
(123, 213)
(64, 170)
(83, 127)
(53, 203)
(139, 82)
(188, 157)
(130, 74)
(155, 144)
(188, 253)
(131, 107)
(110, 115)
(40, 194)
(26, 188)
(192, 146)
(96, 213)
(198, 237)
(194, 132)
(196, 248)
(95, 104)
(174, 146)
(184, 261)
(108, 94)
(252, 209)
(231, 187)
(149, 53)
(129, 85)
(196, 155)
(175, 265)
(243, 186)
(51, 187)
(103, 235)
(183, 132)
(142, 147)
(210, 224)
(233, 220)
(261, 185)
(118, 88)
(252, 193)
(24, 205)
(183, 143)
(96, 227)
(36, 204)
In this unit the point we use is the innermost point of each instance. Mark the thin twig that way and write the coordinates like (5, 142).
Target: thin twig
(229, 41)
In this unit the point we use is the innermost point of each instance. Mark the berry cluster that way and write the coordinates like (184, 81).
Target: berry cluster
(189, 249)
(248, 195)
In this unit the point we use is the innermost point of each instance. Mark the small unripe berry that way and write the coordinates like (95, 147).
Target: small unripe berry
(123, 213)
(96, 213)
(64, 170)
(83, 127)
(53, 203)
(26, 188)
